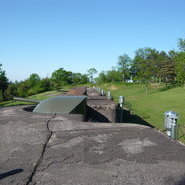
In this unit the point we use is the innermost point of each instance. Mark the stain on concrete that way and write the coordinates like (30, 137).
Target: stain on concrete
(135, 145)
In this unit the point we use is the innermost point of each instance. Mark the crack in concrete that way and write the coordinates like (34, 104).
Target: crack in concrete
(43, 151)
(59, 161)
(89, 129)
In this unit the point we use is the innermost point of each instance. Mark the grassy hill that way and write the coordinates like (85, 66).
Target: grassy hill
(151, 106)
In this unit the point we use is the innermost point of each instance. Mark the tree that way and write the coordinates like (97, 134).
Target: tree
(3, 82)
(145, 65)
(180, 68)
(23, 88)
(91, 73)
(61, 77)
(114, 76)
(124, 64)
(45, 84)
(33, 84)
(84, 79)
(181, 44)
(167, 67)
(1, 96)
(78, 78)
(34, 80)
(102, 77)
(11, 91)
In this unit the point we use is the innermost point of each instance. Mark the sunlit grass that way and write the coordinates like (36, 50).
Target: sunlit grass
(40, 96)
(151, 106)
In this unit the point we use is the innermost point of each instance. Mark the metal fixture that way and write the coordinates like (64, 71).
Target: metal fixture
(26, 100)
(170, 124)
(121, 102)
(102, 92)
(108, 95)
(59, 104)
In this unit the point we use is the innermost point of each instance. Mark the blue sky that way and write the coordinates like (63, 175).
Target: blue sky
(40, 36)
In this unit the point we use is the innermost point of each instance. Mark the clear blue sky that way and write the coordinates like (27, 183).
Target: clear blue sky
(40, 36)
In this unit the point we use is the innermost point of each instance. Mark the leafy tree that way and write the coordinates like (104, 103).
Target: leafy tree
(78, 78)
(180, 67)
(167, 67)
(145, 65)
(1, 96)
(23, 88)
(61, 77)
(3, 82)
(181, 44)
(46, 84)
(11, 91)
(84, 79)
(114, 76)
(34, 80)
(91, 73)
(124, 64)
(102, 78)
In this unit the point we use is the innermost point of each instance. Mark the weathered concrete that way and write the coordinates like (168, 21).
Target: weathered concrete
(121, 155)
(53, 149)
(77, 91)
(100, 108)
(22, 139)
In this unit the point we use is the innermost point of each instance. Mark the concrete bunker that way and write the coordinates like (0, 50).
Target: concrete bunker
(90, 105)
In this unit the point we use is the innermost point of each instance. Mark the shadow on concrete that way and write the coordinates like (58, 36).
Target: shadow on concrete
(181, 182)
(94, 116)
(129, 118)
(10, 173)
(64, 91)
(29, 108)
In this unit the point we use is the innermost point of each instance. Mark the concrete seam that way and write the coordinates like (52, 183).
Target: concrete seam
(42, 153)
(91, 129)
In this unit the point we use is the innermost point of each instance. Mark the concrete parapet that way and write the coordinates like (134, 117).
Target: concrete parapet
(100, 108)
(77, 91)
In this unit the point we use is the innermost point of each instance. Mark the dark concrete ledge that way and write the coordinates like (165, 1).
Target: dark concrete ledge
(100, 108)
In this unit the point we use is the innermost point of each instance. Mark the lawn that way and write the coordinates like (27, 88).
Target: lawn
(151, 106)
(39, 96)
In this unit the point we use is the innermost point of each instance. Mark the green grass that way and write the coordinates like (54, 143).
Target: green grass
(151, 107)
(40, 96)
(12, 103)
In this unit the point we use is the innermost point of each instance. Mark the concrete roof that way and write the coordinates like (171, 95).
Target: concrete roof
(47, 149)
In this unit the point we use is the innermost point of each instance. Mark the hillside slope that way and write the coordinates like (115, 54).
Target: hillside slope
(151, 106)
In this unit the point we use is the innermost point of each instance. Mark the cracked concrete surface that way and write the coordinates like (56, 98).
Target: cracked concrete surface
(47, 149)
(22, 137)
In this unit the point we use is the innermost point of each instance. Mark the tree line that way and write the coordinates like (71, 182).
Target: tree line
(34, 84)
(149, 65)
